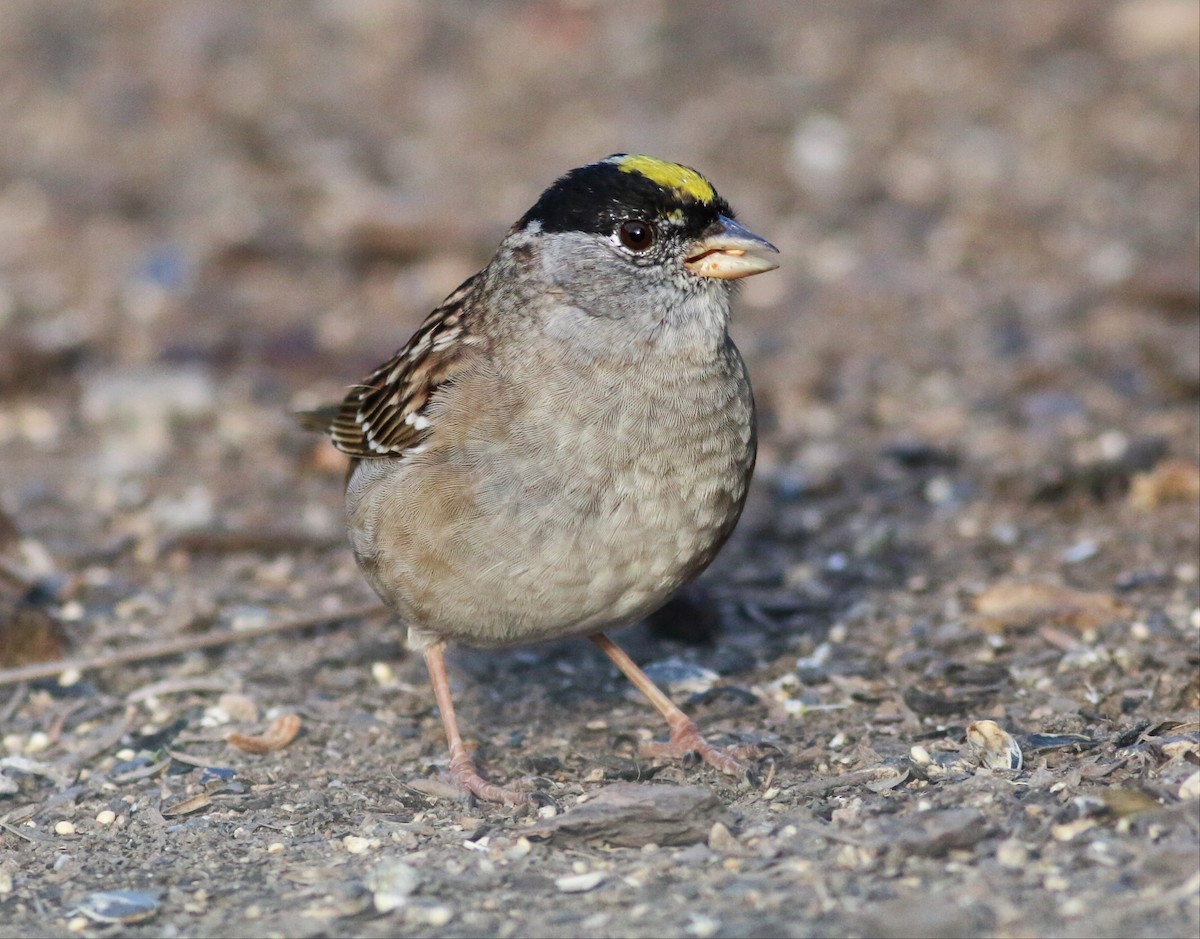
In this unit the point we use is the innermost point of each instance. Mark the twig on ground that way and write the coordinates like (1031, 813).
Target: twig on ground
(179, 645)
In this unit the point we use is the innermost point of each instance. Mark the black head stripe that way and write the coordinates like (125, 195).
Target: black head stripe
(597, 197)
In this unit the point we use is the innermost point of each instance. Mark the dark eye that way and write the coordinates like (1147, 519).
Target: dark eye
(635, 234)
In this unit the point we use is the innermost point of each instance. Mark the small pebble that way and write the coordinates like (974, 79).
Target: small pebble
(64, 828)
(1056, 883)
(580, 883)
(681, 677)
(702, 926)
(238, 707)
(356, 845)
(437, 916)
(721, 839)
(391, 883)
(38, 741)
(1011, 854)
(939, 490)
(106, 817)
(72, 611)
(1082, 551)
(69, 677)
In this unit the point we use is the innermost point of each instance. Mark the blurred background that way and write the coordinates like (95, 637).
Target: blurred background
(987, 212)
(978, 362)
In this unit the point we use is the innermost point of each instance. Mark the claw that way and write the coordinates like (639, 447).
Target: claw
(687, 744)
(467, 779)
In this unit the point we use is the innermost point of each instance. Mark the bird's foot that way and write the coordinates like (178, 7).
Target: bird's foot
(468, 781)
(687, 740)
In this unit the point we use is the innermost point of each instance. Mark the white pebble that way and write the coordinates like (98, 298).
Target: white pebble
(437, 916)
(38, 741)
(580, 883)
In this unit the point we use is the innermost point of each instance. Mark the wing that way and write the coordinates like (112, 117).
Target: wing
(385, 415)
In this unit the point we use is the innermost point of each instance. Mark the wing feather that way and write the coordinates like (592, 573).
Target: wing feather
(385, 415)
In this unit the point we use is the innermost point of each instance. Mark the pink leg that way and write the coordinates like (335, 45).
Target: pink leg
(685, 736)
(462, 770)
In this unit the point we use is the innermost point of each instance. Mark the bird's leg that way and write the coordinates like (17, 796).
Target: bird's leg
(685, 736)
(462, 769)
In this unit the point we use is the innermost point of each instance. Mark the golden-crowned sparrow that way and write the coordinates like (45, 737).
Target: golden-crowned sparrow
(568, 438)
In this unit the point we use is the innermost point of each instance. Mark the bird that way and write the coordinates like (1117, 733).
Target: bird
(567, 439)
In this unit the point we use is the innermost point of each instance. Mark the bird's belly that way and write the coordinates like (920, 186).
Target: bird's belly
(513, 541)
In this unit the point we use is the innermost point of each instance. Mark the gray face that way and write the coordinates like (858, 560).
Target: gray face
(647, 296)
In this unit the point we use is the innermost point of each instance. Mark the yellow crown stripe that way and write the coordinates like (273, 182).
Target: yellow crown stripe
(669, 175)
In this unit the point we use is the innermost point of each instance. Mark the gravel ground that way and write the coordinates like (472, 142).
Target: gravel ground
(960, 617)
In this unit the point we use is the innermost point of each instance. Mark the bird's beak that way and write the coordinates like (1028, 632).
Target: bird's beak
(724, 252)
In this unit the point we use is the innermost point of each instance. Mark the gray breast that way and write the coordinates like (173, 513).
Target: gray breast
(524, 528)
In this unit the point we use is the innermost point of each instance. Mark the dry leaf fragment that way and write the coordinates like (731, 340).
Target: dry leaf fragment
(1169, 481)
(29, 630)
(1069, 831)
(28, 633)
(888, 781)
(279, 733)
(187, 806)
(1126, 803)
(1024, 606)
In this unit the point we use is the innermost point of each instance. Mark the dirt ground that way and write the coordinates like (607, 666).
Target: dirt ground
(977, 499)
